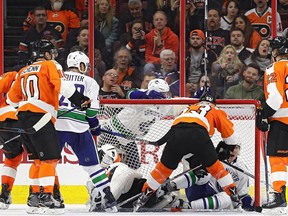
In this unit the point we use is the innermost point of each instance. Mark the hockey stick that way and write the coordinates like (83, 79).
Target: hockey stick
(168, 180)
(74, 108)
(43, 121)
(266, 165)
(66, 111)
(244, 172)
(128, 137)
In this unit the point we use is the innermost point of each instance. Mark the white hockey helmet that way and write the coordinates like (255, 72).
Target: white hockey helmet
(159, 85)
(108, 155)
(78, 60)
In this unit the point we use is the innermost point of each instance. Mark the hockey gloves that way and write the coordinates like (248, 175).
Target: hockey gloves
(223, 150)
(95, 127)
(181, 204)
(261, 123)
(201, 91)
(247, 202)
(82, 102)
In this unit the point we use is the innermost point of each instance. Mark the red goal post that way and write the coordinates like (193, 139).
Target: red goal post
(241, 112)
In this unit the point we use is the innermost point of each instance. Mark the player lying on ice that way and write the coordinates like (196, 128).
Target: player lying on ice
(203, 191)
(125, 182)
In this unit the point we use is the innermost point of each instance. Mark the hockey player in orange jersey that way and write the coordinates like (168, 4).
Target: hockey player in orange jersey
(13, 150)
(275, 109)
(35, 92)
(190, 134)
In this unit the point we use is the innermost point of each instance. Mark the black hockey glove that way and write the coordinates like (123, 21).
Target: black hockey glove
(261, 123)
(82, 102)
(223, 150)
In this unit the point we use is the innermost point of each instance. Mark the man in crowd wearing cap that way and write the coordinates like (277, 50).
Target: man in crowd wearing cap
(195, 55)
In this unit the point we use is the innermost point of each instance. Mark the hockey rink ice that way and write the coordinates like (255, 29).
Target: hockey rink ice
(79, 210)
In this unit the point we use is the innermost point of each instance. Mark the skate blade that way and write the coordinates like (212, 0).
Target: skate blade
(111, 209)
(33, 210)
(56, 211)
(4, 206)
(136, 208)
(275, 211)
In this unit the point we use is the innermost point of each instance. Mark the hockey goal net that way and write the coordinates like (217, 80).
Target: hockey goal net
(141, 120)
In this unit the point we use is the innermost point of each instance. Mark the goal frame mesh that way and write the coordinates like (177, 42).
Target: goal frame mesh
(189, 101)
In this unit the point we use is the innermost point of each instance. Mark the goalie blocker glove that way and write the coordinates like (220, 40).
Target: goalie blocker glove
(82, 102)
(223, 150)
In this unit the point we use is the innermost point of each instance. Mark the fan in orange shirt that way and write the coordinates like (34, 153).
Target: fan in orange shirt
(59, 15)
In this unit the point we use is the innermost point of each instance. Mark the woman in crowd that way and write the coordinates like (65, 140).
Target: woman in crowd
(106, 22)
(232, 9)
(252, 37)
(261, 57)
(226, 70)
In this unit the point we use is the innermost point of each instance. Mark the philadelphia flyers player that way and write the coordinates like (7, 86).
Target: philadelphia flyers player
(35, 92)
(190, 134)
(13, 150)
(275, 109)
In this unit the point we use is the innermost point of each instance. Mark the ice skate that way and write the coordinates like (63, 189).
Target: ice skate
(95, 200)
(142, 200)
(5, 197)
(277, 205)
(57, 195)
(33, 203)
(109, 201)
(49, 205)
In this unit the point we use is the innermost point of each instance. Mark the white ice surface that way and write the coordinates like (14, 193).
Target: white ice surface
(81, 210)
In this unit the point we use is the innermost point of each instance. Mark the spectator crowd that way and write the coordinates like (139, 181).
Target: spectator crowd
(135, 40)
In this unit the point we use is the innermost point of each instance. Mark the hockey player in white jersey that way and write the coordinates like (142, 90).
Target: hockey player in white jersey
(76, 128)
(202, 190)
(125, 181)
(135, 121)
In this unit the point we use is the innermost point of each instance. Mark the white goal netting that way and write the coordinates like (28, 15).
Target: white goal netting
(147, 121)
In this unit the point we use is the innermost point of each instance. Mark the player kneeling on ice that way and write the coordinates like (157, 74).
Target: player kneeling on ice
(190, 134)
(125, 182)
(203, 191)
(76, 128)
(134, 121)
